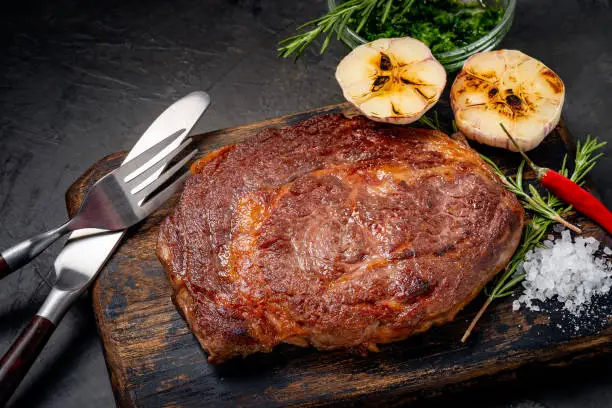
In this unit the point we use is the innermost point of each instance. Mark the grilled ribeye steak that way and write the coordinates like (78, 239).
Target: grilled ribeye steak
(337, 233)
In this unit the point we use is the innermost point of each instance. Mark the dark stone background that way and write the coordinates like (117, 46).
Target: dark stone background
(80, 79)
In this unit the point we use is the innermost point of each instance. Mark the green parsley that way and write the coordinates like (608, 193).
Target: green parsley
(444, 25)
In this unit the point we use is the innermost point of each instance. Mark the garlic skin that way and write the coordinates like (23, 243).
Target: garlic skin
(509, 87)
(392, 80)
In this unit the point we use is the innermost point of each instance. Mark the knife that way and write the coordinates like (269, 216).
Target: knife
(87, 250)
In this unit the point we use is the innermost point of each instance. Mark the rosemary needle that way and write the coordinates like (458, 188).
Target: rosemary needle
(334, 21)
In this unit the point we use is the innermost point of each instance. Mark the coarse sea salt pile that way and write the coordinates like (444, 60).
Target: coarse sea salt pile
(566, 270)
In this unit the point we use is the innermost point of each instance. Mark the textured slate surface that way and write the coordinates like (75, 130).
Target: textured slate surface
(79, 80)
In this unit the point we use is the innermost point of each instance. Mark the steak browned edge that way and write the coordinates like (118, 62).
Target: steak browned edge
(336, 233)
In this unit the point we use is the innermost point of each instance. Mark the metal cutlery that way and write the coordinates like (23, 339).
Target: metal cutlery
(87, 250)
(119, 200)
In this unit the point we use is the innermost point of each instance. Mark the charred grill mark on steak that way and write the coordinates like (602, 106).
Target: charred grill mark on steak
(444, 249)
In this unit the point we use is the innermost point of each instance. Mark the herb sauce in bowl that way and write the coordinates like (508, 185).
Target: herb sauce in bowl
(443, 25)
(453, 29)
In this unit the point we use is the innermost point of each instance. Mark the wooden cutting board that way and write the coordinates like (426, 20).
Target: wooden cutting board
(153, 359)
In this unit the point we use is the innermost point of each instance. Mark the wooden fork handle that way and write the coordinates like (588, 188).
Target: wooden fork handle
(5, 269)
(15, 364)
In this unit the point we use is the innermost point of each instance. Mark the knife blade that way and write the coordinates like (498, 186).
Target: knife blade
(87, 250)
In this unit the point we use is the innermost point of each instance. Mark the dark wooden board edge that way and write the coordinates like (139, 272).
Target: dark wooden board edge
(517, 377)
(573, 352)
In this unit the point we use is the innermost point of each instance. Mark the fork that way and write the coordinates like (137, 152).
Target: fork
(119, 200)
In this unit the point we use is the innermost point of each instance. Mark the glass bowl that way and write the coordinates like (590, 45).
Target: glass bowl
(452, 60)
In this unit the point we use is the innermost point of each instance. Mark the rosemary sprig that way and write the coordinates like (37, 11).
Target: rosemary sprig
(405, 10)
(334, 21)
(432, 123)
(531, 200)
(537, 227)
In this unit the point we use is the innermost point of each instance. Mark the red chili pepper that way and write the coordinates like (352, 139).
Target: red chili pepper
(569, 192)
(578, 197)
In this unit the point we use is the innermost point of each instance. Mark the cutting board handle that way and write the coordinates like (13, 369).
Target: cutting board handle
(19, 358)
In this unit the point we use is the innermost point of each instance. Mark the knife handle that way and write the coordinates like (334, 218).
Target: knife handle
(19, 358)
(5, 269)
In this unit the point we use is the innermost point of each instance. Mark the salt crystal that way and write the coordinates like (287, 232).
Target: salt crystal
(558, 228)
(565, 270)
(566, 236)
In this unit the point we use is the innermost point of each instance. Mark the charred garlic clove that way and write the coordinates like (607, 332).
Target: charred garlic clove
(393, 80)
(508, 87)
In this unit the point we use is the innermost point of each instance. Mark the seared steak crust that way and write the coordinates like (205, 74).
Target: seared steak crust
(338, 233)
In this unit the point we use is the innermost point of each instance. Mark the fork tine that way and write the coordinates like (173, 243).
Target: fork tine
(142, 177)
(152, 204)
(137, 162)
(142, 194)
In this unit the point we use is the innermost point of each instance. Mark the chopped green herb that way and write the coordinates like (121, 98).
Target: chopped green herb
(444, 25)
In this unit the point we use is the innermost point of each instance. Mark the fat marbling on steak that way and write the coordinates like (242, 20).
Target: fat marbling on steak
(336, 233)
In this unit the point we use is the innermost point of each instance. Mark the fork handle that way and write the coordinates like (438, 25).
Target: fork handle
(22, 253)
(19, 358)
